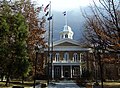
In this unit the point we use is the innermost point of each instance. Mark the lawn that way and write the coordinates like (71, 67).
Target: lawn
(112, 84)
(26, 84)
(109, 84)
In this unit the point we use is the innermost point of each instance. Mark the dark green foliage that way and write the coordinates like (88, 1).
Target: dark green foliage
(13, 47)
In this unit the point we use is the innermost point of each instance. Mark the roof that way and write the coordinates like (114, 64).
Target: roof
(68, 45)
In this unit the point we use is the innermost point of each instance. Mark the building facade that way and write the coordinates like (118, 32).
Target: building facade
(66, 56)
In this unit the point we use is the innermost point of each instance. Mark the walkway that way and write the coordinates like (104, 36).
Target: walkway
(64, 84)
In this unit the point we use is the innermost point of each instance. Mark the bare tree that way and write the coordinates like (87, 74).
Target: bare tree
(104, 25)
(102, 29)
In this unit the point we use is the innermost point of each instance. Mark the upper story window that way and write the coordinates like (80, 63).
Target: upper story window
(75, 57)
(50, 57)
(62, 36)
(57, 56)
(82, 57)
(66, 35)
(66, 56)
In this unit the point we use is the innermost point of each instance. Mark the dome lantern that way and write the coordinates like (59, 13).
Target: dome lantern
(66, 33)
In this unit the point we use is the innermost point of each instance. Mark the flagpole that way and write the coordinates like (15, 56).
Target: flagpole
(52, 49)
(49, 42)
(66, 19)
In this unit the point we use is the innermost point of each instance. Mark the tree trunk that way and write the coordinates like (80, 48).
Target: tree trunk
(22, 80)
(101, 70)
(2, 75)
(7, 81)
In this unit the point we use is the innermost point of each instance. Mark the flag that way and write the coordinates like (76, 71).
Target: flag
(46, 8)
(64, 13)
(47, 13)
(38, 9)
(49, 18)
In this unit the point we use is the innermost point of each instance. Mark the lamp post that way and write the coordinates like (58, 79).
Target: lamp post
(95, 62)
(37, 50)
(48, 71)
(99, 52)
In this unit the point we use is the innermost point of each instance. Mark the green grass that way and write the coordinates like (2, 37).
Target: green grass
(26, 84)
(109, 84)
(112, 84)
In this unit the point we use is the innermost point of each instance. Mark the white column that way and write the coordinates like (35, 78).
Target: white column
(71, 71)
(52, 71)
(61, 71)
(80, 66)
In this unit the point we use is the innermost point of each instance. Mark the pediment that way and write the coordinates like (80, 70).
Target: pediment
(66, 42)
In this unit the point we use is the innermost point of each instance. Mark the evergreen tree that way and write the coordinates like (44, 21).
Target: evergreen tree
(20, 30)
(13, 36)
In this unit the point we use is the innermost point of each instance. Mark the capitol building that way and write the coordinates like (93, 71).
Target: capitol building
(67, 56)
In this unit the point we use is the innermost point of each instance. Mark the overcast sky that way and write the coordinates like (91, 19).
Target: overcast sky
(74, 15)
(64, 5)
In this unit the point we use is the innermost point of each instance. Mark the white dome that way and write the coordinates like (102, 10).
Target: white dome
(66, 33)
(67, 28)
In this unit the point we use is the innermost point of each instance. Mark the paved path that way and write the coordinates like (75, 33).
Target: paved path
(38, 86)
(64, 84)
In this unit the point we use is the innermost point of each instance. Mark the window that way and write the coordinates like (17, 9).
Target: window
(62, 36)
(83, 57)
(76, 71)
(57, 71)
(75, 57)
(66, 35)
(50, 57)
(57, 56)
(66, 56)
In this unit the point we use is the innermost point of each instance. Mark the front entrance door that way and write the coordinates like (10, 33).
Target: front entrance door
(66, 71)
(57, 72)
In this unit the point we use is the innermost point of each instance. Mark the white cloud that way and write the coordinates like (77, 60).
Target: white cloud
(61, 5)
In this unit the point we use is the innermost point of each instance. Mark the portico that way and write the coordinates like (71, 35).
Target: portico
(66, 71)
